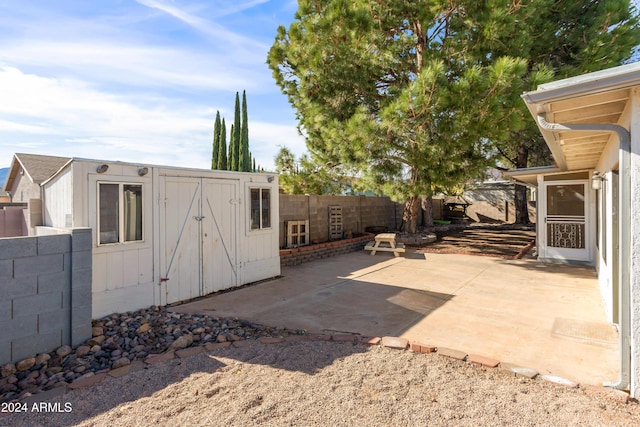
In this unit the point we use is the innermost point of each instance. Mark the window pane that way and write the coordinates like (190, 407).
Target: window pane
(255, 208)
(566, 200)
(266, 203)
(108, 207)
(132, 212)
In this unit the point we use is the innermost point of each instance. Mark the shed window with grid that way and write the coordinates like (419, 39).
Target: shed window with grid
(260, 208)
(119, 213)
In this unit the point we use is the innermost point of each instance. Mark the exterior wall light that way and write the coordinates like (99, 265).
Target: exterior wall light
(270, 178)
(143, 171)
(596, 181)
(102, 168)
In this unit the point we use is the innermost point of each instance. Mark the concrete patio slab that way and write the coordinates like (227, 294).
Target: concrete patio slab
(523, 312)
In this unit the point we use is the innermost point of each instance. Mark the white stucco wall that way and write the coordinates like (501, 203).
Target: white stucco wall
(608, 161)
(635, 242)
(23, 189)
(604, 256)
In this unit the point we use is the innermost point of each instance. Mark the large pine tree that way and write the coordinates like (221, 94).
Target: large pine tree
(391, 89)
(417, 96)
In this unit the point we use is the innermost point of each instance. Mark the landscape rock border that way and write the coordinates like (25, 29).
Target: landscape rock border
(118, 342)
(46, 376)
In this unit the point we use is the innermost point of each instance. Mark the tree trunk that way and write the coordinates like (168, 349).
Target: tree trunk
(410, 216)
(427, 208)
(521, 205)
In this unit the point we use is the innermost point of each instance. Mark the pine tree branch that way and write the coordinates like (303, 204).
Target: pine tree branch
(503, 154)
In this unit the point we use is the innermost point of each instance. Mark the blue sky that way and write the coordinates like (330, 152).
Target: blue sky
(139, 80)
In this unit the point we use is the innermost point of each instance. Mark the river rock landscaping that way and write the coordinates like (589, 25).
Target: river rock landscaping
(120, 339)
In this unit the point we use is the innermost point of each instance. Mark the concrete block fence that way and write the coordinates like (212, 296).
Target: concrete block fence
(45, 292)
(358, 213)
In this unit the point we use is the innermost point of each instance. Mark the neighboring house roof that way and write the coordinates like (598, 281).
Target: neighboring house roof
(456, 200)
(36, 167)
(594, 98)
(529, 176)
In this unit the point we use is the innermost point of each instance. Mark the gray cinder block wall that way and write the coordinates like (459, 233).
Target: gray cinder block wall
(358, 212)
(45, 292)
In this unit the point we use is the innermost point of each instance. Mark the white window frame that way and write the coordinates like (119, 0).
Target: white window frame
(121, 222)
(261, 226)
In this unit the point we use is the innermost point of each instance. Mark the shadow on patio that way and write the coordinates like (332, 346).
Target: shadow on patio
(547, 317)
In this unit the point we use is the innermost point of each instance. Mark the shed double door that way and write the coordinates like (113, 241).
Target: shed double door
(198, 243)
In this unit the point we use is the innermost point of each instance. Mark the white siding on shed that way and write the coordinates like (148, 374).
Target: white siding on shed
(261, 254)
(196, 232)
(58, 201)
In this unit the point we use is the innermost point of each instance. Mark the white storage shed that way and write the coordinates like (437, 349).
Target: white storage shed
(166, 234)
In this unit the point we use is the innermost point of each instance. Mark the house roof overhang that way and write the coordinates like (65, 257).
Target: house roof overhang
(594, 98)
(529, 176)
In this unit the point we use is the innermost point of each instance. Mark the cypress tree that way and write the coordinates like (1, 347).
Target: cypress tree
(231, 149)
(254, 165)
(235, 139)
(216, 142)
(222, 148)
(245, 156)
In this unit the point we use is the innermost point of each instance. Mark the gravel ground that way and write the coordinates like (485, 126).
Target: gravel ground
(327, 383)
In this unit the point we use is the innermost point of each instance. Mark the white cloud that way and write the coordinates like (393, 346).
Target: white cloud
(234, 7)
(81, 118)
(85, 122)
(266, 138)
(145, 66)
(136, 83)
(208, 27)
(6, 125)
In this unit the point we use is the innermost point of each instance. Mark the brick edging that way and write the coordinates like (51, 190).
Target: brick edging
(490, 363)
(397, 343)
(302, 254)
